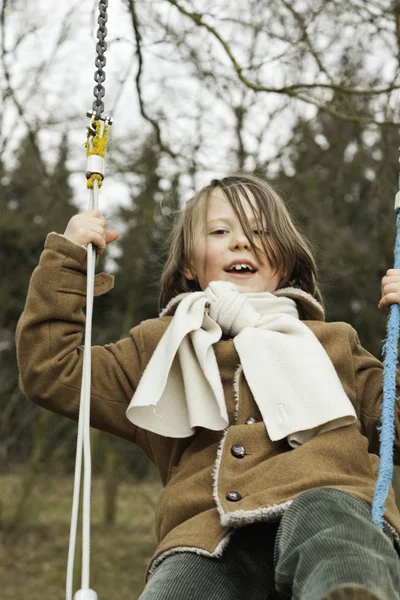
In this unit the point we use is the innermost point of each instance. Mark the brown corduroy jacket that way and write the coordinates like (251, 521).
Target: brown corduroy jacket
(211, 487)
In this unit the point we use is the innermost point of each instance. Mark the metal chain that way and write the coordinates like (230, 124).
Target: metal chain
(100, 62)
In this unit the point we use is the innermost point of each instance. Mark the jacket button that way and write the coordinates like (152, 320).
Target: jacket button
(238, 451)
(251, 421)
(233, 496)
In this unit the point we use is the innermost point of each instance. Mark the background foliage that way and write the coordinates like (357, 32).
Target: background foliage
(304, 93)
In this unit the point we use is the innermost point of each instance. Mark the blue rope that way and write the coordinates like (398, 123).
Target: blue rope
(387, 428)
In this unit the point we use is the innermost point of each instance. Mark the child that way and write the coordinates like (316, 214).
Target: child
(260, 417)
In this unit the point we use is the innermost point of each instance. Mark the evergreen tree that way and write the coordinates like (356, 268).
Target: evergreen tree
(340, 180)
(135, 294)
(33, 203)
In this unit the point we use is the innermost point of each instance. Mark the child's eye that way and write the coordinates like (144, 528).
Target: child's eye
(259, 232)
(219, 232)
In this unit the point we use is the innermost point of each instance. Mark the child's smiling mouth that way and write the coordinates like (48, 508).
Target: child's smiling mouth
(241, 274)
(241, 269)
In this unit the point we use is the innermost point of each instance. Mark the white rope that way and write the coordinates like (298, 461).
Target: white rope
(83, 440)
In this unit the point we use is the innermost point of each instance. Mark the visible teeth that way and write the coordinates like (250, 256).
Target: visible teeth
(241, 266)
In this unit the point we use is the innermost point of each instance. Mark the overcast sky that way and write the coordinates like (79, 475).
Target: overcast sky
(59, 95)
(64, 86)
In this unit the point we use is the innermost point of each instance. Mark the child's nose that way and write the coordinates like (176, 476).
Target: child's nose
(239, 240)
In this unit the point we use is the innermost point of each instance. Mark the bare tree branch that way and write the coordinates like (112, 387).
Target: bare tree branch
(295, 90)
(135, 22)
(396, 13)
(11, 92)
(303, 26)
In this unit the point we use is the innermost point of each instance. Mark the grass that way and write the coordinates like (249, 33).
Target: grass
(33, 555)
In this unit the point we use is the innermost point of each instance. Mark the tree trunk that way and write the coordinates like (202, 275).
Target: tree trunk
(111, 462)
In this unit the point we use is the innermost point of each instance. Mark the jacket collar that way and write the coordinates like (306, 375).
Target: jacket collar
(309, 307)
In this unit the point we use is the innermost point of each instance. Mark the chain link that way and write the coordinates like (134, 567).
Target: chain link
(100, 62)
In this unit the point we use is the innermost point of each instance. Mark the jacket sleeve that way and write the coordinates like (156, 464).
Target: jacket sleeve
(368, 382)
(49, 343)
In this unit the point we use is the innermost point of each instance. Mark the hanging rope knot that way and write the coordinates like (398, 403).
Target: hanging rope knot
(229, 308)
(96, 145)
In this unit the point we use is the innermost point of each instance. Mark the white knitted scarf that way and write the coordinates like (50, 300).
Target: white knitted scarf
(289, 373)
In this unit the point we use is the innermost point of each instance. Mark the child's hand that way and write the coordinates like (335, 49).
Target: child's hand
(90, 226)
(390, 289)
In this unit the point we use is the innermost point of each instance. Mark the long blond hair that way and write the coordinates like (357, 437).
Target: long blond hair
(287, 249)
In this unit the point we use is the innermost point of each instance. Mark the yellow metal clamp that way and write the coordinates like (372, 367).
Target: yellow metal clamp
(96, 145)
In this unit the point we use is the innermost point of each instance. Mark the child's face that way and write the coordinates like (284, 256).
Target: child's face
(223, 245)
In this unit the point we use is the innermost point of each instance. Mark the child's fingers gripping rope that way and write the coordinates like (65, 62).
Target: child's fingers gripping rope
(90, 226)
(390, 289)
